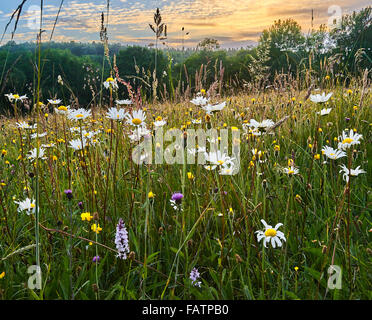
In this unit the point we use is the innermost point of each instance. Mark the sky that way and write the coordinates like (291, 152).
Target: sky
(234, 23)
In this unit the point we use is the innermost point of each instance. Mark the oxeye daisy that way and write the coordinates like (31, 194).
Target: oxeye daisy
(137, 118)
(212, 108)
(116, 114)
(317, 98)
(15, 97)
(54, 101)
(353, 172)
(200, 100)
(348, 140)
(333, 153)
(34, 154)
(27, 205)
(324, 112)
(79, 114)
(111, 83)
(271, 234)
(124, 102)
(291, 170)
(78, 144)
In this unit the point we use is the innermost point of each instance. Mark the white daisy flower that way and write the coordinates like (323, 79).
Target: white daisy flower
(111, 82)
(196, 121)
(33, 154)
(78, 144)
(324, 112)
(212, 108)
(271, 234)
(62, 110)
(159, 123)
(346, 141)
(137, 118)
(320, 98)
(353, 172)
(27, 205)
(199, 100)
(260, 126)
(116, 114)
(15, 97)
(34, 135)
(291, 170)
(79, 114)
(124, 102)
(333, 153)
(54, 101)
(138, 133)
(25, 125)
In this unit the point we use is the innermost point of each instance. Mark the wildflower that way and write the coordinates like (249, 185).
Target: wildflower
(271, 234)
(190, 176)
(79, 114)
(137, 118)
(96, 228)
(68, 194)
(124, 102)
(349, 140)
(296, 268)
(353, 172)
(350, 91)
(2, 275)
(15, 97)
(320, 98)
(54, 101)
(212, 108)
(317, 156)
(194, 276)
(96, 258)
(24, 125)
(116, 114)
(333, 153)
(86, 216)
(200, 100)
(151, 195)
(27, 205)
(62, 110)
(33, 154)
(176, 200)
(111, 83)
(291, 170)
(324, 112)
(78, 144)
(121, 240)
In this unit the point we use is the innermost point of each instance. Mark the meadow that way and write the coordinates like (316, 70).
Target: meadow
(284, 212)
(284, 177)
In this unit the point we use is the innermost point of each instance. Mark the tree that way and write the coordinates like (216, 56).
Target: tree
(208, 44)
(285, 43)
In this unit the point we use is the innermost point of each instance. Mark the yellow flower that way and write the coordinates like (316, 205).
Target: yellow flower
(317, 156)
(46, 115)
(327, 77)
(277, 147)
(86, 216)
(320, 129)
(151, 195)
(296, 268)
(190, 176)
(2, 275)
(96, 228)
(350, 91)
(355, 107)
(202, 91)
(4, 152)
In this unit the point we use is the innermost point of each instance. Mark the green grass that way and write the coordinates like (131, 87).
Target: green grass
(220, 242)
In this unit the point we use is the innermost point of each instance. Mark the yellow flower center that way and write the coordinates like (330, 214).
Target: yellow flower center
(136, 121)
(62, 108)
(110, 80)
(221, 162)
(16, 96)
(270, 233)
(290, 171)
(79, 115)
(32, 205)
(347, 140)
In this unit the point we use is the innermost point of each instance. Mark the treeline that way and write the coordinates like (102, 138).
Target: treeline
(283, 52)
